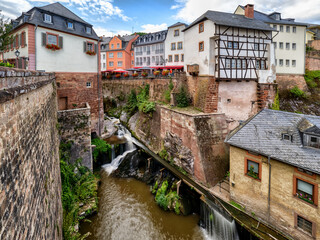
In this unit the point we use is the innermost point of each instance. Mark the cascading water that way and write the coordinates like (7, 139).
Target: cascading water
(216, 225)
(129, 147)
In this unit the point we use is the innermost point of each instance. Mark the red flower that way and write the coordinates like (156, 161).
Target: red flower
(52, 47)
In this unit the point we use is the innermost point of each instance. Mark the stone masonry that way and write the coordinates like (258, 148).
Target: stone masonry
(30, 184)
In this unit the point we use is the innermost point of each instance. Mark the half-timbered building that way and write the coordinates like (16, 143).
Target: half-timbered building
(231, 58)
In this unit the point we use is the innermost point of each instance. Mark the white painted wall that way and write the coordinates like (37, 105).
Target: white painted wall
(71, 58)
(298, 54)
(23, 51)
(174, 39)
(192, 37)
(103, 61)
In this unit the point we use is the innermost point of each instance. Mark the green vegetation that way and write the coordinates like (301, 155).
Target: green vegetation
(6, 64)
(161, 198)
(164, 154)
(167, 93)
(312, 78)
(5, 29)
(155, 188)
(211, 217)
(276, 102)
(297, 92)
(182, 98)
(79, 186)
(309, 49)
(101, 147)
(237, 205)
(167, 201)
(140, 101)
(140, 33)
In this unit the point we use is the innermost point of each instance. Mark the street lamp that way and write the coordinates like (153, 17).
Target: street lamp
(17, 53)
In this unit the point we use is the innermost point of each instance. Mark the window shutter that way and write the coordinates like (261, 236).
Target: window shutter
(60, 42)
(14, 42)
(19, 40)
(44, 39)
(96, 48)
(84, 46)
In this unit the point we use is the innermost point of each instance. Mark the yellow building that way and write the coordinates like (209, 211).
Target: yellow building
(275, 171)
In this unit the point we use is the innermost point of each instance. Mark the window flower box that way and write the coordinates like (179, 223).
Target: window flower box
(126, 75)
(108, 77)
(304, 197)
(253, 174)
(135, 75)
(156, 73)
(165, 72)
(53, 47)
(91, 53)
(144, 74)
(118, 75)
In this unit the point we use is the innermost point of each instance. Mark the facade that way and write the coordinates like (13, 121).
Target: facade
(230, 57)
(289, 39)
(117, 52)
(275, 171)
(174, 45)
(149, 50)
(53, 39)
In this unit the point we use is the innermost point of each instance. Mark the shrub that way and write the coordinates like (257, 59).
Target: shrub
(165, 72)
(140, 101)
(132, 103)
(126, 75)
(156, 73)
(161, 195)
(182, 98)
(135, 74)
(298, 93)
(6, 64)
(311, 77)
(276, 102)
(144, 74)
(101, 147)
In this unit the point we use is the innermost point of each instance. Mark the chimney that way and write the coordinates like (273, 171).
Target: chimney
(249, 11)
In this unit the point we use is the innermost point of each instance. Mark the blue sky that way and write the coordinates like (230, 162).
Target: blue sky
(111, 17)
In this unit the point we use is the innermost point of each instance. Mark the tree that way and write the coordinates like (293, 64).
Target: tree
(5, 29)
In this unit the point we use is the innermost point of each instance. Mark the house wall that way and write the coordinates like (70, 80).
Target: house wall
(154, 53)
(192, 55)
(174, 39)
(253, 194)
(64, 60)
(103, 61)
(23, 50)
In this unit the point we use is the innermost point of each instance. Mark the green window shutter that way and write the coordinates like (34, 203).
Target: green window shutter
(84, 46)
(96, 48)
(44, 39)
(60, 42)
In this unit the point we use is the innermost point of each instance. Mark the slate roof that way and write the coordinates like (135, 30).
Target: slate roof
(263, 134)
(60, 15)
(178, 24)
(125, 41)
(268, 19)
(230, 19)
(151, 38)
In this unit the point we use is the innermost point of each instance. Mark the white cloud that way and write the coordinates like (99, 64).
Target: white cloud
(107, 33)
(306, 11)
(14, 9)
(148, 28)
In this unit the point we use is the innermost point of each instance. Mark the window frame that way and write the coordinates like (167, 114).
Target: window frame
(201, 25)
(294, 29)
(69, 22)
(174, 33)
(293, 63)
(287, 46)
(176, 55)
(281, 62)
(87, 48)
(170, 58)
(178, 46)
(53, 34)
(294, 46)
(281, 28)
(173, 46)
(88, 85)
(182, 57)
(112, 55)
(118, 65)
(246, 159)
(120, 54)
(45, 20)
(201, 49)
(288, 29)
(87, 30)
(111, 65)
(314, 193)
(313, 228)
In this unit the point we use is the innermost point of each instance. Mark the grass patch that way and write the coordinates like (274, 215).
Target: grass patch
(236, 205)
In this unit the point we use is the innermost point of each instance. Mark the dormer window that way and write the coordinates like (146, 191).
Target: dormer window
(70, 25)
(88, 30)
(47, 18)
(313, 141)
(286, 136)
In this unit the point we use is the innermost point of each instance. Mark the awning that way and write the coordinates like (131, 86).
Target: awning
(170, 67)
(120, 71)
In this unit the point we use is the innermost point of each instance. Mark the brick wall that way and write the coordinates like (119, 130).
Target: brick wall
(30, 184)
(313, 63)
(287, 81)
(75, 126)
(266, 93)
(73, 87)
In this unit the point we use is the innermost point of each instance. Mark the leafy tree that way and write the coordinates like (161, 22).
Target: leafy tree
(140, 33)
(5, 28)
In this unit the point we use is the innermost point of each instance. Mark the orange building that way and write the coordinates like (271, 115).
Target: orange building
(117, 52)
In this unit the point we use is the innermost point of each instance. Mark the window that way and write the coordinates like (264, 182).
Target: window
(70, 25)
(119, 54)
(118, 45)
(173, 46)
(23, 39)
(132, 54)
(281, 45)
(287, 62)
(176, 32)
(274, 27)
(239, 63)
(104, 65)
(288, 46)
(104, 56)
(294, 29)
(235, 45)
(201, 27)
(293, 63)
(228, 61)
(275, 62)
(132, 62)
(112, 46)
(47, 18)
(88, 84)
(263, 65)
(182, 57)
(244, 63)
(111, 55)
(294, 46)
(305, 190)
(88, 30)
(286, 136)
(233, 62)
(110, 64)
(281, 28)
(281, 62)
(179, 45)
(119, 63)
(253, 169)
(275, 45)
(176, 58)
(257, 64)
(288, 29)
(170, 58)
(229, 44)
(90, 47)
(304, 224)
(312, 141)
(52, 39)
(201, 46)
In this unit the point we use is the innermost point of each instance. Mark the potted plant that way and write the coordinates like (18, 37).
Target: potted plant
(52, 47)
(126, 75)
(108, 76)
(156, 73)
(118, 75)
(91, 53)
(165, 72)
(135, 75)
(144, 74)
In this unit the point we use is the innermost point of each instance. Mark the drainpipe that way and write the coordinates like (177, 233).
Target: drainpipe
(269, 188)
(35, 47)
(98, 55)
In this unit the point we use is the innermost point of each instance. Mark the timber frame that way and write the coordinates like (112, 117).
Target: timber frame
(240, 53)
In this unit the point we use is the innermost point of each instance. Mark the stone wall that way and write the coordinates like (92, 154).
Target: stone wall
(315, 44)
(194, 142)
(266, 93)
(312, 63)
(73, 92)
(30, 184)
(75, 126)
(284, 205)
(287, 81)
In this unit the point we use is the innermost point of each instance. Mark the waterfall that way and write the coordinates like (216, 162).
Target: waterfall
(128, 147)
(216, 225)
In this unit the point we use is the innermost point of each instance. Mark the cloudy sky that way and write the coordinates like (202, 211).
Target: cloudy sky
(111, 17)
